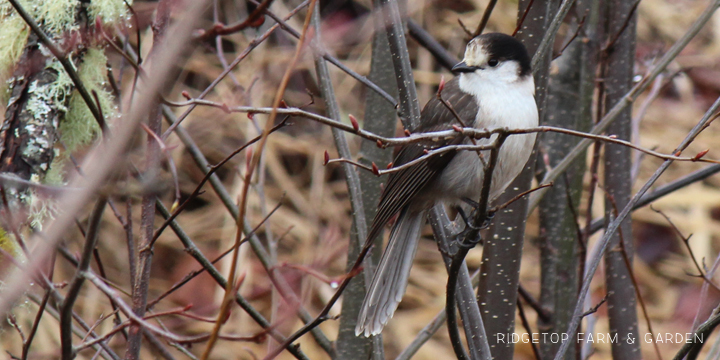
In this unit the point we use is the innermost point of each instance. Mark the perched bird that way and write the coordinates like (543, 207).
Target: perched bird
(494, 89)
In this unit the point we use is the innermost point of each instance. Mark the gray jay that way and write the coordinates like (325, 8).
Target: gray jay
(494, 89)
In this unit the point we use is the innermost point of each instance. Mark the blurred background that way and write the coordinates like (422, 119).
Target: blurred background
(311, 214)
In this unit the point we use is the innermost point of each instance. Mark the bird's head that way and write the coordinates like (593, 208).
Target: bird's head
(494, 57)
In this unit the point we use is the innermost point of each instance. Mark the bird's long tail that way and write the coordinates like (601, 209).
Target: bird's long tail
(391, 277)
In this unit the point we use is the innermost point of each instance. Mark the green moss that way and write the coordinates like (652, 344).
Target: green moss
(9, 244)
(79, 126)
(13, 37)
(109, 11)
(56, 174)
(56, 16)
(40, 210)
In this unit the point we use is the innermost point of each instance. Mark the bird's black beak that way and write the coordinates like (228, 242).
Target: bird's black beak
(462, 67)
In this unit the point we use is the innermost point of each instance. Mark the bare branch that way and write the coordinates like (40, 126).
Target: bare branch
(74, 289)
(614, 225)
(629, 98)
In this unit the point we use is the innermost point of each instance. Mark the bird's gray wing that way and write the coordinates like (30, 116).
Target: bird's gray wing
(403, 185)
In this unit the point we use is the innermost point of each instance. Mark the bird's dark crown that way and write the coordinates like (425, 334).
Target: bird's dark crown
(505, 47)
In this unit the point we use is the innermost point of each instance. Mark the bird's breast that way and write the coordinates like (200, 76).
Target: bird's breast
(511, 107)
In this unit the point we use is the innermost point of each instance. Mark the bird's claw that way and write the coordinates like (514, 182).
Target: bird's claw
(462, 237)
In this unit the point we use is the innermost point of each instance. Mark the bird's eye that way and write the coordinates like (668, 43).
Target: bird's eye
(492, 62)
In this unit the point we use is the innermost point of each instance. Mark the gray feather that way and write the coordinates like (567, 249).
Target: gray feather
(391, 277)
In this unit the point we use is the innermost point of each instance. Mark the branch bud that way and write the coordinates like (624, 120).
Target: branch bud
(354, 123)
(248, 158)
(700, 155)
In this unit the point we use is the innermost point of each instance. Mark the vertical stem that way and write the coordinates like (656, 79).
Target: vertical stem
(559, 230)
(359, 226)
(622, 309)
(195, 252)
(500, 269)
(227, 200)
(410, 115)
(147, 213)
(467, 303)
(408, 106)
(66, 312)
(380, 117)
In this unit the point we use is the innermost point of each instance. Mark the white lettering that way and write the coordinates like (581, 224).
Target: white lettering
(613, 338)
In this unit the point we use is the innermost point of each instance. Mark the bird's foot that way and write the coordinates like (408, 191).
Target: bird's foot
(475, 206)
(464, 238)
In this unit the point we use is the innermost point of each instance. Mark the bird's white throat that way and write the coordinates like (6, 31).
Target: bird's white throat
(505, 100)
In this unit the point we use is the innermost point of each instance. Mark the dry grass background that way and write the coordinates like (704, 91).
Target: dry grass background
(313, 221)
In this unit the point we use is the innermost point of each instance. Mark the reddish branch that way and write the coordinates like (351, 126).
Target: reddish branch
(254, 20)
(230, 288)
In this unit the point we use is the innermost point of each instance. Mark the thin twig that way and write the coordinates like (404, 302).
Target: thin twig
(195, 252)
(573, 37)
(431, 328)
(171, 164)
(225, 306)
(666, 189)
(686, 242)
(595, 308)
(76, 284)
(133, 318)
(212, 169)
(692, 349)
(628, 99)
(352, 178)
(34, 328)
(102, 166)
(251, 46)
(517, 197)
(628, 266)
(522, 18)
(470, 240)
(485, 18)
(262, 255)
(624, 26)
(530, 300)
(426, 40)
(465, 28)
(152, 154)
(319, 50)
(220, 29)
(526, 325)
(195, 273)
(549, 37)
(614, 225)
(105, 351)
(455, 132)
(47, 285)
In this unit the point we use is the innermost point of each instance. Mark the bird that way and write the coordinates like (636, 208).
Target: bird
(494, 88)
